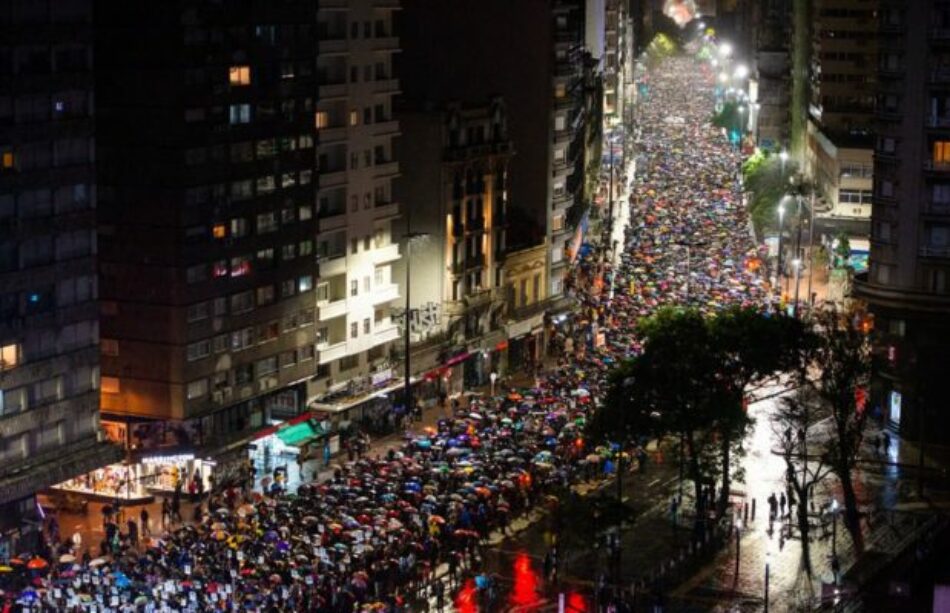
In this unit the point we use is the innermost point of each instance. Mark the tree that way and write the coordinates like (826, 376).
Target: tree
(841, 354)
(690, 381)
(768, 182)
(749, 348)
(802, 471)
(665, 390)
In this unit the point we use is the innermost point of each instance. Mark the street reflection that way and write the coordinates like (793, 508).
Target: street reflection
(522, 589)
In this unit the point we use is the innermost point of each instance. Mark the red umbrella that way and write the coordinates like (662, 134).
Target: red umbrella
(37, 564)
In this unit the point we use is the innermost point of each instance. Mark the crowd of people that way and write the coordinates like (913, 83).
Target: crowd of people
(384, 528)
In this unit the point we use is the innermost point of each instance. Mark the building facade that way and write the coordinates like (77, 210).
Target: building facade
(548, 93)
(49, 333)
(454, 187)
(906, 287)
(841, 106)
(208, 226)
(356, 245)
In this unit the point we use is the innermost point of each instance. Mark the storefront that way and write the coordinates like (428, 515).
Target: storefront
(292, 441)
(139, 482)
(525, 343)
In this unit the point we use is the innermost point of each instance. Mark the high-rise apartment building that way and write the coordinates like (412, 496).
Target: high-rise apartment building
(208, 227)
(548, 95)
(839, 141)
(907, 287)
(770, 56)
(49, 334)
(356, 166)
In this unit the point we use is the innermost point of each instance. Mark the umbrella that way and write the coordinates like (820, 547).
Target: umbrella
(67, 558)
(475, 415)
(97, 562)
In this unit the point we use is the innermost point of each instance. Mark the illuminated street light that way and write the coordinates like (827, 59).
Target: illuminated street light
(742, 71)
(725, 49)
(723, 77)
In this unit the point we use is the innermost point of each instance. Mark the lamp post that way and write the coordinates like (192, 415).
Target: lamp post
(738, 548)
(781, 230)
(494, 377)
(783, 157)
(834, 529)
(407, 389)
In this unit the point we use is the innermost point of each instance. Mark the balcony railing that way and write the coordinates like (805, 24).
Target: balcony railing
(935, 251)
(933, 166)
(937, 122)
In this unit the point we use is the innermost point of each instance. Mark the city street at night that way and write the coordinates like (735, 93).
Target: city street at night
(474, 306)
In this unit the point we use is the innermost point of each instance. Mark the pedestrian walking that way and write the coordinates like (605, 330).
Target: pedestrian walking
(133, 532)
(143, 517)
(781, 503)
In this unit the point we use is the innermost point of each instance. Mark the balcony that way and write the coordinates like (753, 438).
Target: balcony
(331, 310)
(561, 201)
(891, 115)
(384, 255)
(936, 122)
(937, 167)
(563, 102)
(331, 135)
(937, 208)
(331, 267)
(333, 46)
(386, 128)
(385, 43)
(332, 178)
(388, 210)
(332, 91)
(386, 169)
(386, 86)
(940, 75)
(328, 353)
(934, 251)
(386, 335)
(333, 5)
(563, 136)
(386, 293)
(332, 221)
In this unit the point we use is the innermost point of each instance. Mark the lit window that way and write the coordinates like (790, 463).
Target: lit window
(240, 266)
(109, 385)
(197, 389)
(321, 120)
(942, 152)
(240, 75)
(305, 283)
(219, 230)
(240, 113)
(6, 160)
(354, 118)
(220, 269)
(9, 356)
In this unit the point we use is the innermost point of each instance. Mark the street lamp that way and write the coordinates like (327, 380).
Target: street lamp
(783, 156)
(781, 225)
(494, 377)
(410, 238)
(741, 72)
(834, 529)
(738, 541)
(725, 49)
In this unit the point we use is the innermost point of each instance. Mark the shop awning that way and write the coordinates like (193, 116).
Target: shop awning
(299, 434)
